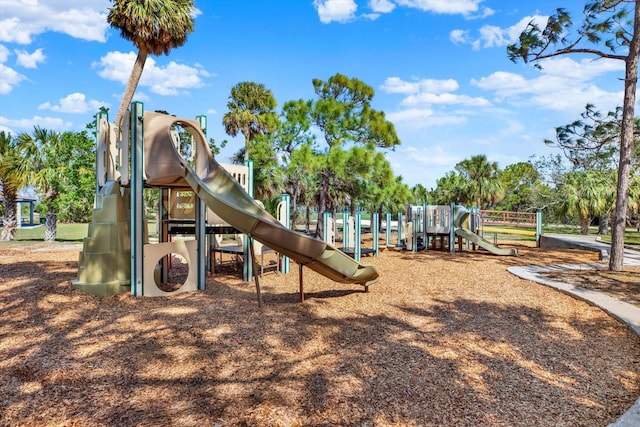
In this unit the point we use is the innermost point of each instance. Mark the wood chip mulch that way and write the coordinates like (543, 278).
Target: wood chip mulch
(443, 339)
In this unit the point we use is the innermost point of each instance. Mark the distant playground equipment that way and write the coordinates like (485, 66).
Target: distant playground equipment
(117, 255)
(439, 226)
(508, 222)
(347, 229)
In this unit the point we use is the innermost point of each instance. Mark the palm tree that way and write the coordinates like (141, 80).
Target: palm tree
(155, 27)
(420, 194)
(13, 177)
(585, 195)
(251, 112)
(450, 188)
(44, 167)
(484, 185)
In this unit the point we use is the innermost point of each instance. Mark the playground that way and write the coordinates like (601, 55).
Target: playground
(442, 339)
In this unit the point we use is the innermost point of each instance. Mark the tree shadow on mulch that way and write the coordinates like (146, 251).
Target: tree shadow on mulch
(214, 357)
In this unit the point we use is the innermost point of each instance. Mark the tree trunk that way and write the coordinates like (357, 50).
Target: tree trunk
(294, 207)
(603, 224)
(322, 203)
(130, 90)
(51, 227)
(616, 260)
(10, 220)
(584, 225)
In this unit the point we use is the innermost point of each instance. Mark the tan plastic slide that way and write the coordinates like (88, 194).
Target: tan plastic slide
(164, 166)
(461, 219)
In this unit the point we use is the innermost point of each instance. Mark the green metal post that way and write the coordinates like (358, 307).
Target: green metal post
(345, 230)
(538, 227)
(358, 235)
(200, 226)
(247, 268)
(286, 199)
(452, 228)
(388, 229)
(137, 201)
(325, 227)
(399, 244)
(375, 230)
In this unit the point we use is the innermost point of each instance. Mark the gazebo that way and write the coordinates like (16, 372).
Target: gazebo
(20, 199)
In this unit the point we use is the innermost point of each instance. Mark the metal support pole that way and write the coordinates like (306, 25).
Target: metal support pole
(399, 244)
(286, 221)
(256, 277)
(300, 281)
(247, 267)
(200, 232)
(358, 235)
(452, 228)
(163, 231)
(136, 199)
(538, 227)
(388, 229)
(375, 231)
(200, 225)
(326, 233)
(345, 230)
(414, 234)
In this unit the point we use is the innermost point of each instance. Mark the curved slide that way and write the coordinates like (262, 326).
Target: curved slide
(483, 243)
(223, 195)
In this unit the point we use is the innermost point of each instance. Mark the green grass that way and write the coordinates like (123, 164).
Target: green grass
(68, 233)
(563, 229)
(631, 237)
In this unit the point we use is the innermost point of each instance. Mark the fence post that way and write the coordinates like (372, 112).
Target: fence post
(538, 227)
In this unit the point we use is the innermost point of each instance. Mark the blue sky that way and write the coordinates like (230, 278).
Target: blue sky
(439, 69)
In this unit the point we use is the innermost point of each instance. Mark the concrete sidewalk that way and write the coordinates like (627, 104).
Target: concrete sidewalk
(588, 242)
(624, 312)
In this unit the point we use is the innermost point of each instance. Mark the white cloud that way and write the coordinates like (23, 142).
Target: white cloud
(75, 103)
(432, 156)
(502, 83)
(444, 98)
(344, 11)
(415, 109)
(50, 123)
(493, 36)
(4, 54)
(30, 60)
(381, 6)
(172, 79)
(430, 92)
(513, 128)
(335, 10)
(8, 79)
(464, 7)
(8, 76)
(420, 118)
(563, 85)
(459, 37)
(397, 85)
(22, 20)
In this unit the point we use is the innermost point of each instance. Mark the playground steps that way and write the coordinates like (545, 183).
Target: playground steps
(104, 262)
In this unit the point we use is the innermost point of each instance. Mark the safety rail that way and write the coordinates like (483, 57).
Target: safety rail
(515, 219)
(510, 222)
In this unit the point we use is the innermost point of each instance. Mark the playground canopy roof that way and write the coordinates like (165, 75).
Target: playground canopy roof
(19, 199)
